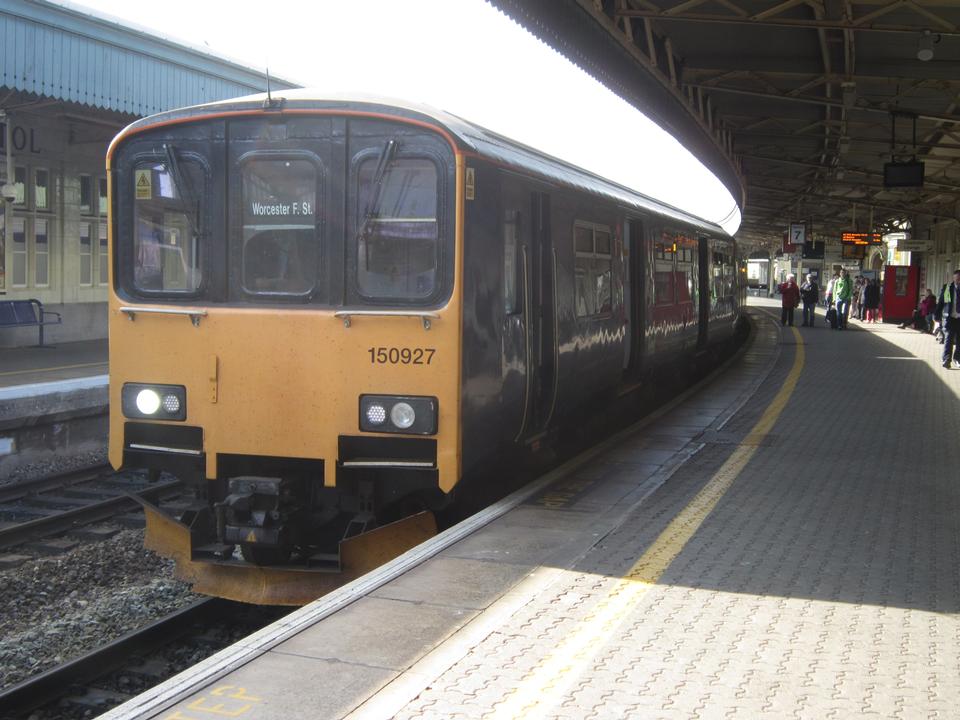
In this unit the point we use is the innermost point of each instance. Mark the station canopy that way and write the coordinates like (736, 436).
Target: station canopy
(75, 60)
(830, 112)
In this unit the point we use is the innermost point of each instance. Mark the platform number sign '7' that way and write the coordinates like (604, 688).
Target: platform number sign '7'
(797, 233)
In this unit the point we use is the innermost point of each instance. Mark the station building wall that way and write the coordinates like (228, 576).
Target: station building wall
(944, 257)
(56, 240)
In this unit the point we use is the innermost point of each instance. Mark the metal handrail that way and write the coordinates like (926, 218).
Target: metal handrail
(194, 315)
(556, 342)
(425, 316)
(526, 338)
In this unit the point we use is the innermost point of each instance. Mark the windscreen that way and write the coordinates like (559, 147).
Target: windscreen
(168, 212)
(280, 253)
(398, 243)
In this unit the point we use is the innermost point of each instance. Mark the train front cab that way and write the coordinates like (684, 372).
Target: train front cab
(298, 364)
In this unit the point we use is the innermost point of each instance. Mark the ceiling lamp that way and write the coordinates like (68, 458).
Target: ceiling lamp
(925, 46)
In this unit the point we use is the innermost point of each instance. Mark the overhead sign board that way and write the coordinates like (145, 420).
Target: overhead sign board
(798, 233)
(912, 245)
(861, 238)
(903, 174)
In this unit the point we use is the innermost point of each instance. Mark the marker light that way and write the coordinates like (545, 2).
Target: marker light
(376, 414)
(402, 415)
(148, 401)
(171, 403)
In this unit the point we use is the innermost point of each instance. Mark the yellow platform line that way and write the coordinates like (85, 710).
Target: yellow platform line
(551, 678)
(52, 369)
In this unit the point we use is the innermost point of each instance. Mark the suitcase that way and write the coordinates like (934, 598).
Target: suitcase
(832, 318)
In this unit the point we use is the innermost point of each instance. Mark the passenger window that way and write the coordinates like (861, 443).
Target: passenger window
(280, 244)
(593, 270)
(168, 217)
(398, 252)
(663, 284)
(512, 282)
(665, 280)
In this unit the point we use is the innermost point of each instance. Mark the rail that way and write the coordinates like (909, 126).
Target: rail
(194, 315)
(426, 317)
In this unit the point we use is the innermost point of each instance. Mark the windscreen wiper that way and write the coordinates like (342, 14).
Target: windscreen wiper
(189, 203)
(373, 203)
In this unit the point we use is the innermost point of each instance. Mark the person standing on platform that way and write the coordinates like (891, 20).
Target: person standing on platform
(871, 300)
(948, 310)
(928, 308)
(828, 296)
(842, 290)
(855, 296)
(810, 294)
(790, 298)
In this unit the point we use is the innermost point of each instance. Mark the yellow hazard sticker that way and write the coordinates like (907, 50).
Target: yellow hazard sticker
(471, 183)
(252, 537)
(144, 184)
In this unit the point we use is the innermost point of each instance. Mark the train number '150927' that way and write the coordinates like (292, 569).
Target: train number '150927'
(401, 356)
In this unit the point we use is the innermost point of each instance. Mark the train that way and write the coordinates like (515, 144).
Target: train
(331, 317)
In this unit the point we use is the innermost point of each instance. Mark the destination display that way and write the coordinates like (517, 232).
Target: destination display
(279, 192)
(861, 238)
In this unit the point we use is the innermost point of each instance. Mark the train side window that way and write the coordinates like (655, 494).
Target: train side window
(665, 278)
(663, 284)
(512, 268)
(168, 215)
(398, 243)
(280, 244)
(593, 269)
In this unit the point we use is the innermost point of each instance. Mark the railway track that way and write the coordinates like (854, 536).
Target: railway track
(37, 509)
(101, 679)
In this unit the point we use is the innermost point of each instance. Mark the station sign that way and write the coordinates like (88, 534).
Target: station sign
(861, 238)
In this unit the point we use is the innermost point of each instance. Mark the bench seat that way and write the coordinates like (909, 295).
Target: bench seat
(27, 313)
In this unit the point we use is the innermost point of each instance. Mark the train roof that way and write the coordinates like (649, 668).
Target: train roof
(472, 137)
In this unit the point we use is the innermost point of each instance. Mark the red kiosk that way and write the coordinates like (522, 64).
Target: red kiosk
(901, 286)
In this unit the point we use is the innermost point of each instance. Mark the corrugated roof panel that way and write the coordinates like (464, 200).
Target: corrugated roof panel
(64, 53)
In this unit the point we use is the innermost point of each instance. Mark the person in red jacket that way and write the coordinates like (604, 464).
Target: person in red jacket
(790, 298)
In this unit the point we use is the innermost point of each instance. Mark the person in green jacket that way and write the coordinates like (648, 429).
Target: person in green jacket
(842, 290)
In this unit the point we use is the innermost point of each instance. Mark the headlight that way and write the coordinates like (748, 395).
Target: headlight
(148, 401)
(407, 414)
(156, 402)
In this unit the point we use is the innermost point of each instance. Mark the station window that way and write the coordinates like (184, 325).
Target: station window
(593, 269)
(41, 252)
(102, 195)
(398, 249)
(281, 254)
(512, 269)
(41, 189)
(86, 255)
(20, 186)
(169, 209)
(19, 247)
(103, 255)
(86, 194)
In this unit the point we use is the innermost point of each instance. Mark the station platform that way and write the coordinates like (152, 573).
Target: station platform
(783, 542)
(43, 387)
(64, 361)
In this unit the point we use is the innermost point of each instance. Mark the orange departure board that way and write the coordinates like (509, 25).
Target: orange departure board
(861, 238)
